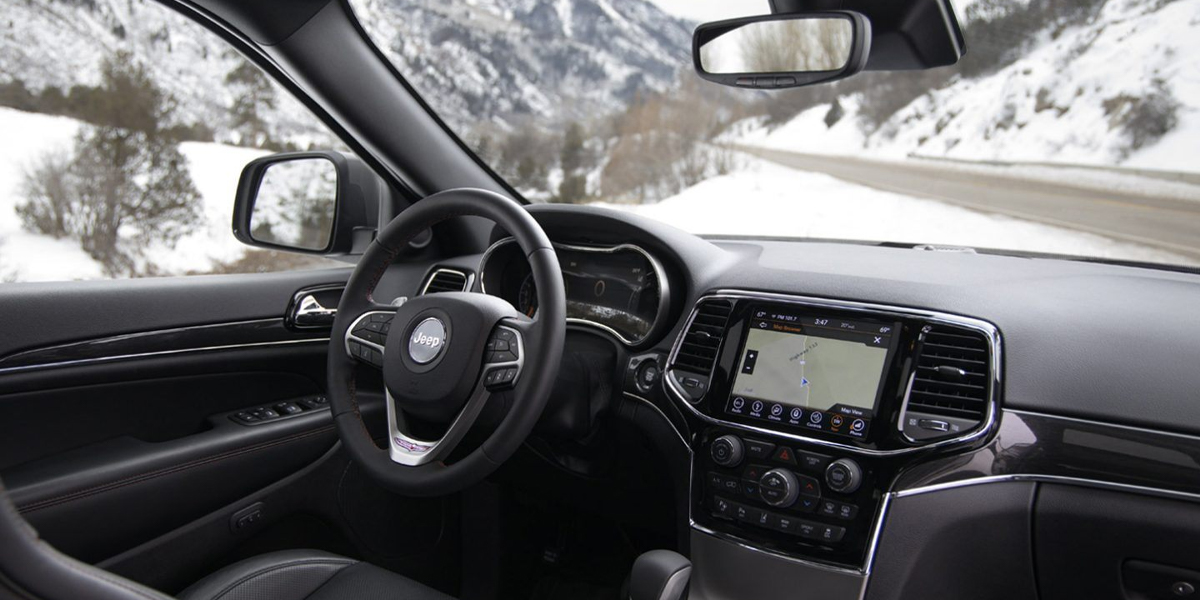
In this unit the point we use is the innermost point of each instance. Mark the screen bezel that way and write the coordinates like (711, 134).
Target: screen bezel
(882, 434)
(804, 317)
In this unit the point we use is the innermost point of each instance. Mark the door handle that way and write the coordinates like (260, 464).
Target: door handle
(314, 308)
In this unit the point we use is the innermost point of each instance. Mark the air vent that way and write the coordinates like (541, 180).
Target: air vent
(949, 392)
(445, 280)
(698, 350)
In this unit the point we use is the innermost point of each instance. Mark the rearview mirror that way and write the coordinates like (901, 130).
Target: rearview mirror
(324, 203)
(782, 51)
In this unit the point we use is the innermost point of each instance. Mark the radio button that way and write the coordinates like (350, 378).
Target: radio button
(808, 486)
(844, 476)
(779, 488)
(830, 533)
(786, 524)
(811, 461)
(748, 514)
(723, 507)
(727, 451)
(754, 472)
(838, 510)
(750, 489)
(759, 449)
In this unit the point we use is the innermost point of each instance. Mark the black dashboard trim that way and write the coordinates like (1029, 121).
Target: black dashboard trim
(162, 342)
(664, 291)
(1032, 446)
(933, 317)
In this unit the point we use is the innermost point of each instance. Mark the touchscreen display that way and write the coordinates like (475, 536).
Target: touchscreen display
(810, 371)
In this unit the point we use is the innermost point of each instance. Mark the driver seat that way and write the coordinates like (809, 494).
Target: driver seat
(31, 568)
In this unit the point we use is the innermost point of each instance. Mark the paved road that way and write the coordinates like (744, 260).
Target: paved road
(1169, 224)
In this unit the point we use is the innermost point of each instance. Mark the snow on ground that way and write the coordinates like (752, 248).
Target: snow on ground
(26, 256)
(215, 169)
(771, 200)
(1063, 102)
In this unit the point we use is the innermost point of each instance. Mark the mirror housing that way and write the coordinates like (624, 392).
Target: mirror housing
(357, 196)
(856, 54)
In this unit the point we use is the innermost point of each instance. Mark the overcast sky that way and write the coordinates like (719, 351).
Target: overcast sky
(713, 10)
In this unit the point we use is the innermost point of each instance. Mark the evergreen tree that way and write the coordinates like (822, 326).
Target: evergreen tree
(125, 186)
(253, 95)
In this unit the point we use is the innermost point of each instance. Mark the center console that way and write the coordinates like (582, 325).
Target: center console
(811, 407)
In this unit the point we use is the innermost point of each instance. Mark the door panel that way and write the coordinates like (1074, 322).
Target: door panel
(116, 400)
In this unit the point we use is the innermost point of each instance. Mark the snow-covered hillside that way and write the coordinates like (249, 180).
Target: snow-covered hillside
(1092, 93)
(61, 44)
(474, 61)
(28, 256)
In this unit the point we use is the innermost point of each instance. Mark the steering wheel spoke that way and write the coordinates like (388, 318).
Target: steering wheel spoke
(409, 451)
(367, 336)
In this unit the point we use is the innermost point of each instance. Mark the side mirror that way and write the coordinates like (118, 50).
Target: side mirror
(784, 50)
(311, 202)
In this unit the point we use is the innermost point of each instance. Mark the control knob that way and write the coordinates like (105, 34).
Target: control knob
(727, 451)
(779, 488)
(843, 476)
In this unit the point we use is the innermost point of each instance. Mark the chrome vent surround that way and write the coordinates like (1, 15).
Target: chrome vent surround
(446, 280)
(701, 342)
(952, 375)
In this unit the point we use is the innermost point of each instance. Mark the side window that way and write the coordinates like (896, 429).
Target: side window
(125, 128)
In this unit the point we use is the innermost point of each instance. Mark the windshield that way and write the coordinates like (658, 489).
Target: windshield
(1070, 127)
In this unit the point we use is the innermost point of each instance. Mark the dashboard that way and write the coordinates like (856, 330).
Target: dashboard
(865, 419)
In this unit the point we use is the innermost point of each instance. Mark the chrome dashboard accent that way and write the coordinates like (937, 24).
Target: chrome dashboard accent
(678, 434)
(468, 278)
(987, 329)
(1060, 479)
(1036, 447)
(664, 298)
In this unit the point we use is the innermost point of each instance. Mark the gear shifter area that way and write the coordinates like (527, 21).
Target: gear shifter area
(660, 575)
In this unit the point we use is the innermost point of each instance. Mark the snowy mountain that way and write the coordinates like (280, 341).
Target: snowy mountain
(1119, 86)
(472, 61)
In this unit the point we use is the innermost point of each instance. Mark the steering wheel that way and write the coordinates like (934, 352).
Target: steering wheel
(443, 355)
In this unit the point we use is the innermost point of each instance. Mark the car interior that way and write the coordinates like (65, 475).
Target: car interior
(491, 398)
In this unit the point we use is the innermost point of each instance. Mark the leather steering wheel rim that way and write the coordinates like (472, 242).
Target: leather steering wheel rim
(542, 352)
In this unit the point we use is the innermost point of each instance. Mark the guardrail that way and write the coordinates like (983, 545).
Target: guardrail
(1180, 176)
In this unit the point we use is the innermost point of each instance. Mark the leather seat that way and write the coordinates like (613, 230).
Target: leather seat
(307, 575)
(30, 568)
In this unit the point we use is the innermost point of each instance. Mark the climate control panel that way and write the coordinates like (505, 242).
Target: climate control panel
(812, 504)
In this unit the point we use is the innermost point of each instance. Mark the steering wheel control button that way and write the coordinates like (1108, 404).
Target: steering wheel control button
(759, 449)
(843, 476)
(500, 378)
(779, 488)
(428, 340)
(727, 451)
(503, 347)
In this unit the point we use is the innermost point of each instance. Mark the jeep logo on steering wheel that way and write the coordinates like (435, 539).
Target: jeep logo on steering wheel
(427, 340)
